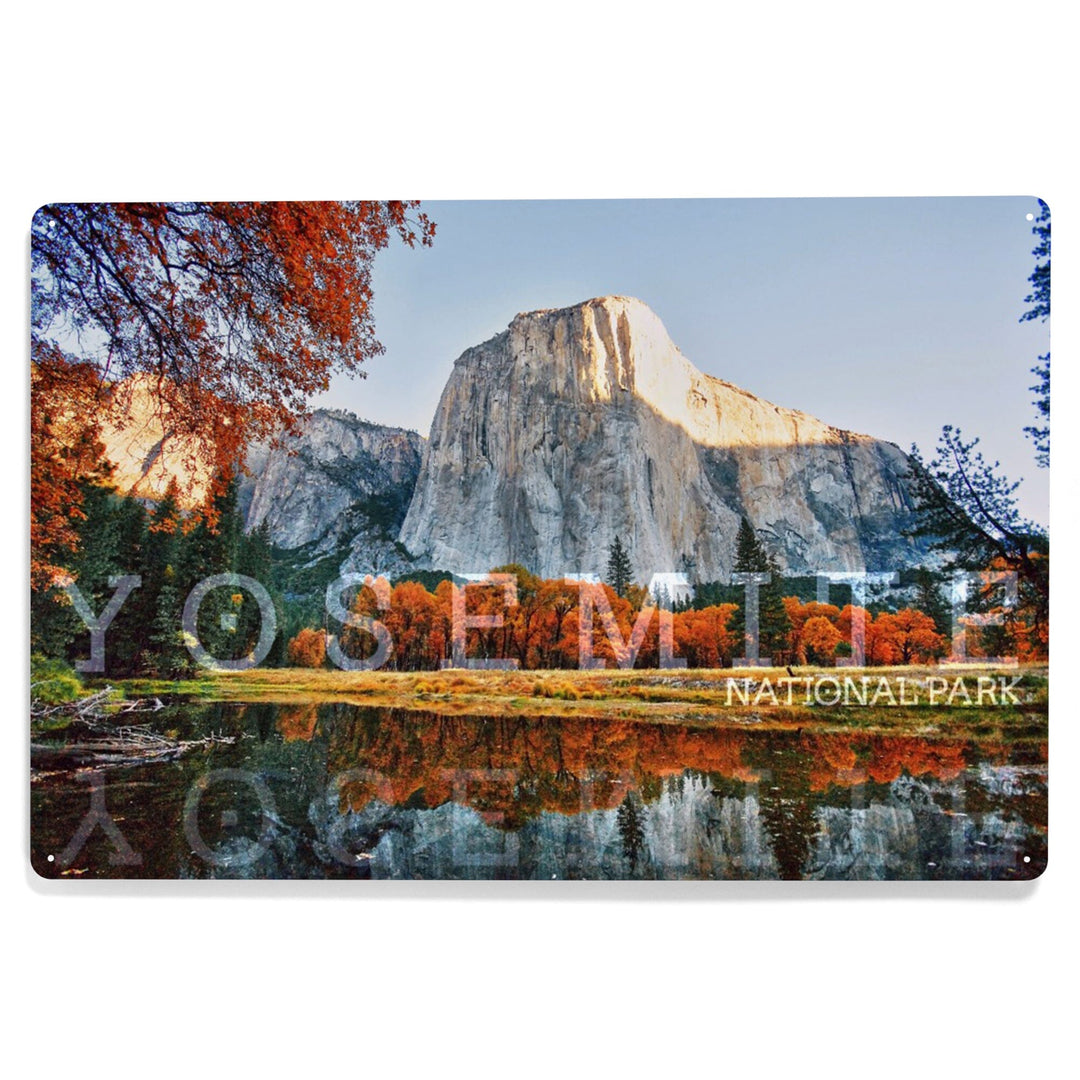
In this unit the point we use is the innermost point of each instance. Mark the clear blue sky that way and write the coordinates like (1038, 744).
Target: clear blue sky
(885, 316)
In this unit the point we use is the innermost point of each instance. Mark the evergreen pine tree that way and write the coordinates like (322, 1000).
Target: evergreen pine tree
(619, 571)
(752, 557)
(158, 604)
(931, 600)
(209, 549)
(1039, 299)
(255, 560)
(155, 553)
(110, 538)
(167, 655)
(128, 630)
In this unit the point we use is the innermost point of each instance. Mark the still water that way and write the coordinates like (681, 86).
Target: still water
(338, 791)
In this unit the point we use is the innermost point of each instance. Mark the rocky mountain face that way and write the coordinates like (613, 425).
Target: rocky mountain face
(577, 425)
(569, 428)
(341, 486)
(340, 482)
(146, 454)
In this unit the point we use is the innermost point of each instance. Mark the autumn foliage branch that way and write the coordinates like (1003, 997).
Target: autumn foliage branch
(234, 314)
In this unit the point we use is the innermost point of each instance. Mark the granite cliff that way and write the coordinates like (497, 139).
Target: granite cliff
(576, 425)
(339, 487)
(570, 427)
(342, 485)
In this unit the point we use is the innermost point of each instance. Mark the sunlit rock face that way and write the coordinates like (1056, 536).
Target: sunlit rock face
(144, 451)
(579, 424)
(340, 486)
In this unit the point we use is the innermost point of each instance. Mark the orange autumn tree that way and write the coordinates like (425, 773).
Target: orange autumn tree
(557, 598)
(877, 648)
(542, 629)
(705, 637)
(799, 615)
(909, 637)
(308, 648)
(820, 637)
(65, 452)
(612, 617)
(233, 313)
(1018, 628)
(412, 621)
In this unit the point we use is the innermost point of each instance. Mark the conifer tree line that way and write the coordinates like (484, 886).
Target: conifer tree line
(171, 553)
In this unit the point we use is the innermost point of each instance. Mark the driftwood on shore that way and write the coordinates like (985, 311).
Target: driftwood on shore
(94, 705)
(89, 732)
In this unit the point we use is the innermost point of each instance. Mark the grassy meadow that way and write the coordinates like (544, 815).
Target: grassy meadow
(893, 700)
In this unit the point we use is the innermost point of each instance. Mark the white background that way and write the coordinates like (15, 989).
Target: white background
(123, 101)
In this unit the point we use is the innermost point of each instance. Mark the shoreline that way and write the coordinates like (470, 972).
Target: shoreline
(887, 700)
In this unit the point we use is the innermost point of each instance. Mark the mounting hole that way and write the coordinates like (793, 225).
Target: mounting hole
(50, 857)
(1027, 858)
(1031, 217)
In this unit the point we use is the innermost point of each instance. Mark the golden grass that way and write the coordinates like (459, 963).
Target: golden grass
(700, 697)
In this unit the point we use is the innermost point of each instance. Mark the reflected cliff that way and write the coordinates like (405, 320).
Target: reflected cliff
(339, 791)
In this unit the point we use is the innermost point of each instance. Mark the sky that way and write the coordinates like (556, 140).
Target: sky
(889, 317)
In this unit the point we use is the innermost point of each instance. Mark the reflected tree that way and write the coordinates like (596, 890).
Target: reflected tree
(630, 819)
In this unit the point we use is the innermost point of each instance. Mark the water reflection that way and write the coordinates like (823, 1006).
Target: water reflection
(339, 791)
